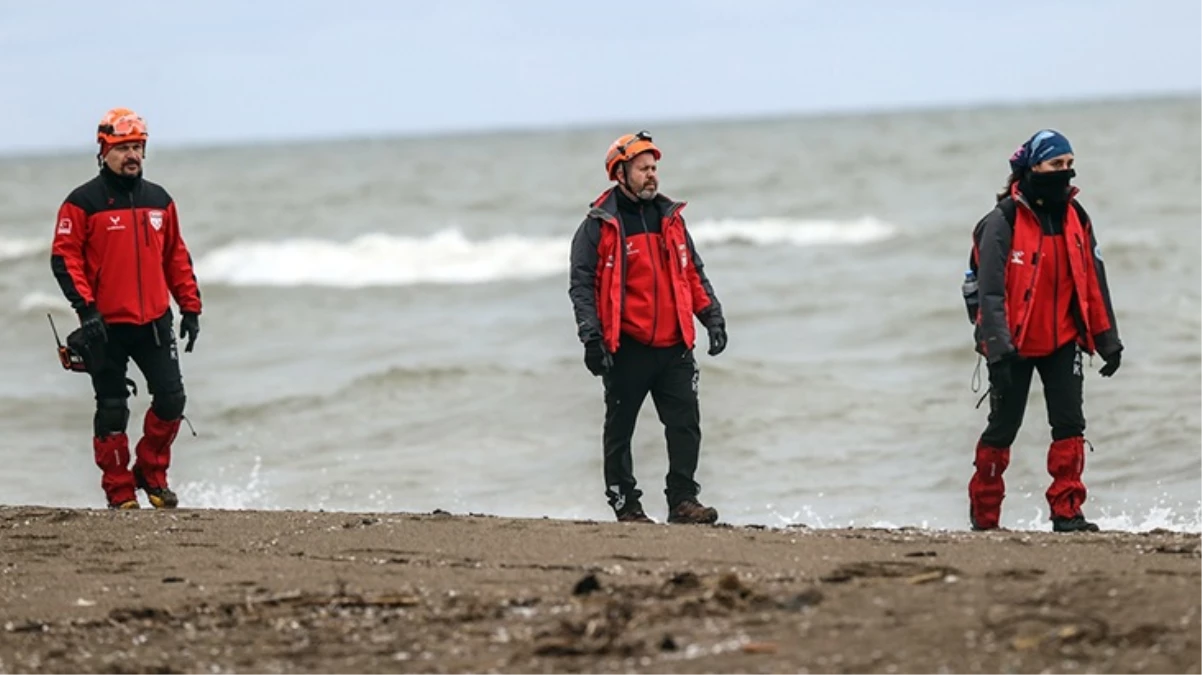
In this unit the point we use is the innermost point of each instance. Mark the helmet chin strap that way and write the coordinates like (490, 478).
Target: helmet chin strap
(626, 182)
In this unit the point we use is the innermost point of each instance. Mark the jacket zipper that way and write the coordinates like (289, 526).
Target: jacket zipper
(654, 273)
(1056, 291)
(133, 208)
(1087, 336)
(1030, 293)
(621, 262)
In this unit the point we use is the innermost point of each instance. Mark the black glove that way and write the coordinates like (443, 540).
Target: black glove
(717, 333)
(189, 327)
(79, 355)
(92, 325)
(1000, 377)
(596, 358)
(1112, 363)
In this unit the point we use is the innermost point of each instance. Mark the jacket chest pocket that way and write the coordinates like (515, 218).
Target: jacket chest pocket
(153, 229)
(676, 251)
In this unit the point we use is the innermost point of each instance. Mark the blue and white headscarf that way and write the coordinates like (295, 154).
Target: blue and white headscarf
(1044, 145)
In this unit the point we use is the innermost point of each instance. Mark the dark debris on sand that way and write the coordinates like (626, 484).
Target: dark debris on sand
(307, 592)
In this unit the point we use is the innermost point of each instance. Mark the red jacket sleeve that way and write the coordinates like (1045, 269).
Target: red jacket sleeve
(66, 256)
(177, 266)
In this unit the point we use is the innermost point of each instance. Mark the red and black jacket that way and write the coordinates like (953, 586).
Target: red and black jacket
(1040, 291)
(117, 246)
(648, 285)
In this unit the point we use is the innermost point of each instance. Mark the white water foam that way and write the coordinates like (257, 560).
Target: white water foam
(1147, 520)
(41, 302)
(12, 249)
(221, 494)
(789, 232)
(448, 257)
(1160, 517)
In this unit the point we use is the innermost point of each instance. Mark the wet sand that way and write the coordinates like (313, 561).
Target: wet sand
(278, 591)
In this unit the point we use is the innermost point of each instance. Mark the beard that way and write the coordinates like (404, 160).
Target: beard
(648, 191)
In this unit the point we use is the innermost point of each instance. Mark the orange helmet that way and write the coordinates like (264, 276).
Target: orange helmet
(120, 125)
(627, 148)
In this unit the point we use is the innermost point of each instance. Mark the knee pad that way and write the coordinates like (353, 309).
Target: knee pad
(112, 416)
(169, 407)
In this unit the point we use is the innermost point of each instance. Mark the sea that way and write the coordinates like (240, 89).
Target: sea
(387, 327)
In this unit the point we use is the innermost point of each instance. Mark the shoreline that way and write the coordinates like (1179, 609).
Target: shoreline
(296, 591)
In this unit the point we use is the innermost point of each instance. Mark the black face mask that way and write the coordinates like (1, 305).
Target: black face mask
(1050, 186)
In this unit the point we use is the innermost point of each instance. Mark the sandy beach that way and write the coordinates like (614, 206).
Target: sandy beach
(279, 591)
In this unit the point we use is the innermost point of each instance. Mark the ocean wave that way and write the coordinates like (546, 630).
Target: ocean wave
(14, 249)
(800, 233)
(40, 302)
(412, 377)
(449, 257)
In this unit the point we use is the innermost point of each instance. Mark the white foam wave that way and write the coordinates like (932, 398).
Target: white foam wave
(38, 301)
(221, 494)
(449, 257)
(12, 249)
(1159, 517)
(777, 231)
(1145, 518)
(446, 257)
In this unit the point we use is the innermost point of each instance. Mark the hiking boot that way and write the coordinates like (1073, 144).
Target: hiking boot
(1074, 524)
(161, 497)
(126, 505)
(977, 528)
(633, 513)
(692, 511)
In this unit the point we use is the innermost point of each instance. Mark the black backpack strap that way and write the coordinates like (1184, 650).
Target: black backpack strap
(1009, 211)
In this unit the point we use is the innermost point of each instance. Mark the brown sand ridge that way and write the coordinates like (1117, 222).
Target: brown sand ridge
(278, 591)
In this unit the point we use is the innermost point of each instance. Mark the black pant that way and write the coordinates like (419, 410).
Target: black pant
(1062, 376)
(152, 347)
(670, 375)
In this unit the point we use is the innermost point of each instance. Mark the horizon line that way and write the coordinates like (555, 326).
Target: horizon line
(589, 125)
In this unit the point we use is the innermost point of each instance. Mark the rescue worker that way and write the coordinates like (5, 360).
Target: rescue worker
(1044, 301)
(636, 283)
(119, 258)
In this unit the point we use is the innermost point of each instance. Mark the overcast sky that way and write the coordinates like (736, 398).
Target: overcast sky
(273, 69)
